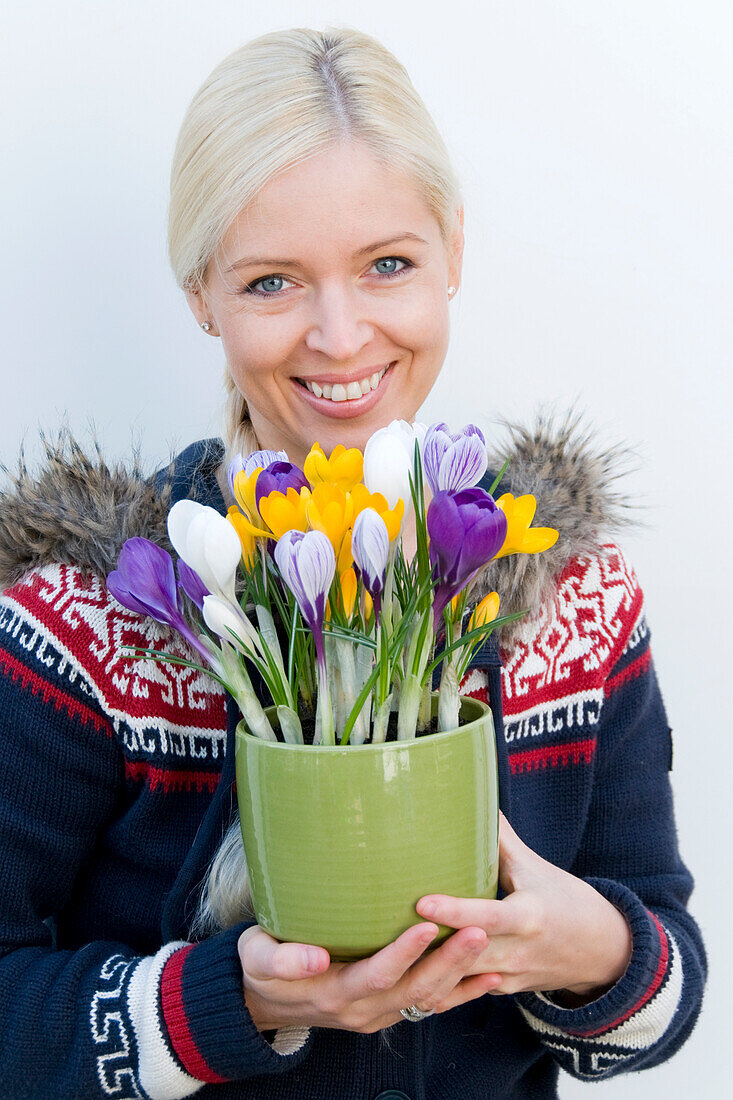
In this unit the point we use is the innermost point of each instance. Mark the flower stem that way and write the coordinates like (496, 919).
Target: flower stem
(410, 694)
(448, 698)
(381, 721)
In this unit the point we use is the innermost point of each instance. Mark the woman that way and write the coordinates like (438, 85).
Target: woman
(316, 228)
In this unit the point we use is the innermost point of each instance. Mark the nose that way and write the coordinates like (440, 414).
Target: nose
(339, 328)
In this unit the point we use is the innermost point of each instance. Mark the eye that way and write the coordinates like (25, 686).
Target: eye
(395, 271)
(267, 280)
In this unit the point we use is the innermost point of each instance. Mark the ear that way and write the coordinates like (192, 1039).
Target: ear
(200, 310)
(455, 251)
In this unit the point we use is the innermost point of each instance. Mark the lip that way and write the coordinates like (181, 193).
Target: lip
(345, 410)
(344, 378)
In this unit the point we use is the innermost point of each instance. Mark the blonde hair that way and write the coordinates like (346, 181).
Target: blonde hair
(273, 103)
(278, 100)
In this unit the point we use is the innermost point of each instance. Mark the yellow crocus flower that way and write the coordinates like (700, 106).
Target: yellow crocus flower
(485, 611)
(330, 510)
(520, 537)
(348, 590)
(244, 490)
(343, 469)
(285, 511)
(361, 498)
(247, 534)
(368, 605)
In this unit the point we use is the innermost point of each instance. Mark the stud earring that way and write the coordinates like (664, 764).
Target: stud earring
(206, 326)
(451, 291)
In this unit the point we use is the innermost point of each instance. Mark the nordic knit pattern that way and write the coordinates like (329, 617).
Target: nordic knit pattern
(110, 766)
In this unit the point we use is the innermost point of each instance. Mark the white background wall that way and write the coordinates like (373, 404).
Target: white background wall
(594, 145)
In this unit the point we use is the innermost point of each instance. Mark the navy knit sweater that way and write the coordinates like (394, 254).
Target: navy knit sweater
(116, 789)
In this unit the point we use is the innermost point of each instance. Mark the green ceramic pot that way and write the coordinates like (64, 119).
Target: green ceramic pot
(342, 842)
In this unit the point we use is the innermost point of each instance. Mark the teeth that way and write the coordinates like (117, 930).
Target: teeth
(350, 392)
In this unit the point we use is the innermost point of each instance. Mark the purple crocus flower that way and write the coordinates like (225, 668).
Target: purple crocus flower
(466, 530)
(249, 464)
(307, 564)
(145, 582)
(279, 477)
(454, 461)
(370, 547)
(191, 583)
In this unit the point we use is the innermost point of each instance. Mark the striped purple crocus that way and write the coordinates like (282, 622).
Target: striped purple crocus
(454, 460)
(370, 549)
(466, 531)
(307, 564)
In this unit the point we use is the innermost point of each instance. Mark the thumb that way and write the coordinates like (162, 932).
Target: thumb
(265, 958)
(513, 854)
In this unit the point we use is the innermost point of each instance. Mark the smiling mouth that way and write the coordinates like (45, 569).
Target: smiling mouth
(352, 391)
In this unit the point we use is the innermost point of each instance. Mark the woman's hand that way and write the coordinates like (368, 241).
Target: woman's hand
(294, 983)
(553, 931)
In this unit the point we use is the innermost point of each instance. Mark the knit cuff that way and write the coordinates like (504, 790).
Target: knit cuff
(636, 1011)
(206, 1019)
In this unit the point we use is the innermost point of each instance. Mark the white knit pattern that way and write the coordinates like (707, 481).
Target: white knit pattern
(160, 1074)
(638, 1032)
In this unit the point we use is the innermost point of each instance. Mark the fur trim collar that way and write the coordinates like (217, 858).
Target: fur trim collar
(78, 509)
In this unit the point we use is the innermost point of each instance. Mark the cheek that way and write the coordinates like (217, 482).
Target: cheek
(426, 322)
(253, 353)
(430, 337)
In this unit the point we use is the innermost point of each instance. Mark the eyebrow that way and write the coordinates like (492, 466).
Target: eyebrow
(268, 261)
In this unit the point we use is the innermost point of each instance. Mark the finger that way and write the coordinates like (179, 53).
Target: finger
(265, 958)
(468, 989)
(384, 969)
(495, 917)
(433, 979)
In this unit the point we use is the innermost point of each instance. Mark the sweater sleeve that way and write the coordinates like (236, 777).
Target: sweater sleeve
(102, 1019)
(629, 853)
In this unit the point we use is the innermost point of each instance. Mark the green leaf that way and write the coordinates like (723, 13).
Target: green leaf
(131, 651)
(498, 477)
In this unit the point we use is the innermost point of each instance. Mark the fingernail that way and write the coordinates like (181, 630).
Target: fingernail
(428, 908)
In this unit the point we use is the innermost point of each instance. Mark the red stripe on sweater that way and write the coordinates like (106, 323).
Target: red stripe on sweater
(52, 694)
(479, 693)
(633, 671)
(170, 779)
(176, 1022)
(570, 752)
(647, 996)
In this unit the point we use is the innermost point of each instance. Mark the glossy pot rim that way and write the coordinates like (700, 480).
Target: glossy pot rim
(381, 746)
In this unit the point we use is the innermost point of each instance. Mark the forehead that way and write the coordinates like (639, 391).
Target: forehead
(339, 200)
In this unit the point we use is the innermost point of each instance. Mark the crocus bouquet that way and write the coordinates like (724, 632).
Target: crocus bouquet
(306, 584)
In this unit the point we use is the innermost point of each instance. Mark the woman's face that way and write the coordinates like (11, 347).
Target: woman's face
(333, 283)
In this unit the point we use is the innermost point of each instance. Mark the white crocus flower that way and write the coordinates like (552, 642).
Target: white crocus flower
(231, 625)
(389, 458)
(208, 543)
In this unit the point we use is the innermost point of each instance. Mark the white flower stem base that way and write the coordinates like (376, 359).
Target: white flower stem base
(410, 695)
(448, 698)
(381, 721)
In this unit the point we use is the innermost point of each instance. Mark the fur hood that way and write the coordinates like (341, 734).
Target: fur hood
(77, 508)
